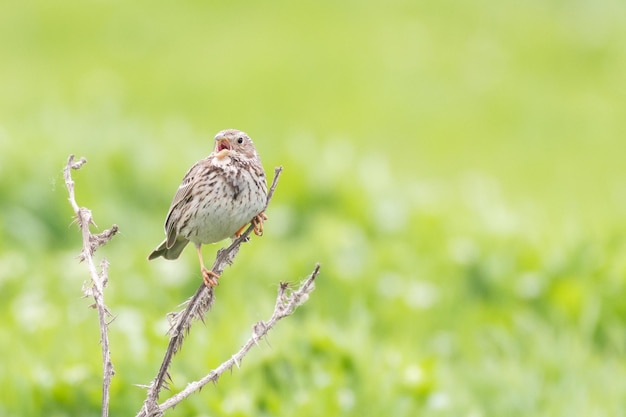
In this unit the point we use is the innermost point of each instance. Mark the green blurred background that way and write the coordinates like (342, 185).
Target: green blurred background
(456, 167)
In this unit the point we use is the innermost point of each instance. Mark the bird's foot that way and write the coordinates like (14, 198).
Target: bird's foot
(257, 221)
(210, 278)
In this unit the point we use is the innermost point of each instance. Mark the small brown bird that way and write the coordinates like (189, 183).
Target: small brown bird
(219, 196)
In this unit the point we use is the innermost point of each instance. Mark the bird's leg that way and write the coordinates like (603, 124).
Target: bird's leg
(257, 221)
(209, 277)
(240, 231)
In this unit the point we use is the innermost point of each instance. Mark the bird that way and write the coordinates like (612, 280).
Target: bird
(218, 197)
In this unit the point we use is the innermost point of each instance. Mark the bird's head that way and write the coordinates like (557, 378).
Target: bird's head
(231, 142)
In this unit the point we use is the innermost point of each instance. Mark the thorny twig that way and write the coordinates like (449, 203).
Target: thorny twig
(196, 308)
(286, 303)
(98, 280)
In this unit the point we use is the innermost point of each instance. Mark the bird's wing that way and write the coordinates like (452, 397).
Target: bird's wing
(180, 198)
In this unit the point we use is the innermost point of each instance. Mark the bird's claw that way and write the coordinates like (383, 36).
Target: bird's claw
(210, 278)
(257, 221)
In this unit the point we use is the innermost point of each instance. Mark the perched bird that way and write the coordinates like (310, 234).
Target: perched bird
(219, 196)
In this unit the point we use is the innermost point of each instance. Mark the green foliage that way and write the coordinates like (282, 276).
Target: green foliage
(456, 168)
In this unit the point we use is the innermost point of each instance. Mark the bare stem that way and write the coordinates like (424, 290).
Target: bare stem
(196, 308)
(286, 303)
(98, 280)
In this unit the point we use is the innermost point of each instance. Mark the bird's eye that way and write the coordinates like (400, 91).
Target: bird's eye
(240, 140)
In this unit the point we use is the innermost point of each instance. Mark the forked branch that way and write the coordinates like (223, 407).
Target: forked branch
(287, 301)
(99, 280)
(196, 308)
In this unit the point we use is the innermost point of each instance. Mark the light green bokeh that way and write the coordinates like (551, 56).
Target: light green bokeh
(456, 167)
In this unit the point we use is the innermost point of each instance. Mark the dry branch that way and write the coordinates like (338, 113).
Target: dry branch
(286, 303)
(196, 308)
(98, 280)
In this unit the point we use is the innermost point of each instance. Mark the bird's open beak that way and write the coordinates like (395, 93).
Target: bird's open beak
(222, 148)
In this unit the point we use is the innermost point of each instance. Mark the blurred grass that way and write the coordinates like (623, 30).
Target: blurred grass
(456, 167)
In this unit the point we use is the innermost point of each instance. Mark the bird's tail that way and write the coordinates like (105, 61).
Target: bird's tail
(169, 253)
